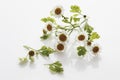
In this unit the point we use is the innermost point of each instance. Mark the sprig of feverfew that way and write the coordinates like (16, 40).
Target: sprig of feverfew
(77, 21)
(56, 67)
(44, 51)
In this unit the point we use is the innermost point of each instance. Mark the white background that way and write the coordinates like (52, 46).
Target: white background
(20, 25)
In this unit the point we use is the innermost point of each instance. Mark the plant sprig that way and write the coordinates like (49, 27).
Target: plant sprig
(44, 51)
(56, 67)
(73, 21)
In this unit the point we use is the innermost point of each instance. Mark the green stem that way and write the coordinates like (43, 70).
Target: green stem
(28, 48)
(81, 24)
(70, 24)
(71, 31)
(83, 21)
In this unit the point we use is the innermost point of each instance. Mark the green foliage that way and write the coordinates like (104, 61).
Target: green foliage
(31, 58)
(56, 67)
(88, 28)
(23, 60)
(45, 36)
(75, 15)
(76, 19)
(71, 18)
(48, 19)
(94, 35)
(65, 21)
(81, 50)
(75, 9)
(46, 51)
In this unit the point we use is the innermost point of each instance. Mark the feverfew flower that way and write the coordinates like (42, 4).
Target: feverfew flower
(62, 37)
(95, 49)
(49, 26)
(82, 36)
(60, 47)
(57, 11)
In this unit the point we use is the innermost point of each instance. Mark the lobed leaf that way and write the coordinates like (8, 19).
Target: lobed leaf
(88, 28)
(48, 19)
(94, 35)
(75, 9)
(81, 50)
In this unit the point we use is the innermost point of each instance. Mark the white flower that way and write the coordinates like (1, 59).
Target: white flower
(82, 36)
(62, 37)
(95, 49)
(60, 47)
(49, 26)
(57, 11)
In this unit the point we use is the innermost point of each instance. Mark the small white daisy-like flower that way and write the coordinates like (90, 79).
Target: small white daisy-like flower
(57, 11)
(60, 47)
(82, 36)
(62, 37)
(49, 26)
(95, 49)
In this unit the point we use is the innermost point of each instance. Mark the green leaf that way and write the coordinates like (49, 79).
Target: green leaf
(48, 19)
(31, 58)
(94, 35)
(76, 19)
(75, 15)
(75, 9)
(56, 67)
(65, 21)
(88, 28)
(45, 36)
(57, 63)
(44, 19)
(71, 18)
(43, 48)
(81, 50)
(23, 60)
(46, 51)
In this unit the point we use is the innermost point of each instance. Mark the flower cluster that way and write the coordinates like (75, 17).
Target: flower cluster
(78, 22)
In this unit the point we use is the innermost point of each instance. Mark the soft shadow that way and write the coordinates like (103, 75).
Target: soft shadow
(95, 61)
(32, 65)
(23, 64)
(63, 57)
(57, 74)
(82, 64)
(49, 42)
